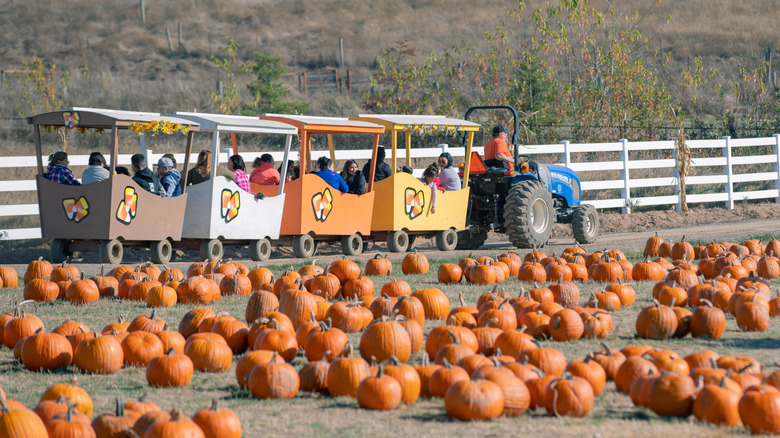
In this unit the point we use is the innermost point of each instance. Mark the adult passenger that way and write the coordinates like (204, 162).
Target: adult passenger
(97, 169)
(142, 175)
(202, 170)
(264, 172)
(167, 183)
(382, 169)
(329, 176)
(354, 178)
(448, 176)
(58, 171)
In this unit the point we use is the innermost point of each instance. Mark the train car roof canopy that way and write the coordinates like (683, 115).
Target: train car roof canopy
(231, 123)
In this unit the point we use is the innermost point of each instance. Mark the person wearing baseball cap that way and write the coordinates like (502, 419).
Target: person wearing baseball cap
(497, 149)
(167, 183)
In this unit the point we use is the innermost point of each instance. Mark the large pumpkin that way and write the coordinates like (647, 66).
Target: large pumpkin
(435, 303)
(414, 263)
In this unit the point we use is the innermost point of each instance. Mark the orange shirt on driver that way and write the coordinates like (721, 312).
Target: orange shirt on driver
(497, 145)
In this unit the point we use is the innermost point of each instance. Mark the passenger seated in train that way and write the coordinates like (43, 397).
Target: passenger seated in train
(236, 164)
(354, 178)
(58, 170)
(429, 178)
(142, 175)
(448, 176)
(329, 176)
(264, 172)
(167, 183)
(383, 169)
(97, 169)
(292, 171)
(202, 170)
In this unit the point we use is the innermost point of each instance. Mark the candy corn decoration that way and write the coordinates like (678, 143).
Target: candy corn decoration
(71, 119)
(231, 202)
(126, 210)
(76, 210)
(322, 204)
(415, 201)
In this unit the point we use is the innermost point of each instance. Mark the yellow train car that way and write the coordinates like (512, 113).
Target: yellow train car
(403, 207)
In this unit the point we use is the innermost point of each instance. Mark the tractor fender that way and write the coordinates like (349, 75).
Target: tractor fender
(564, 182)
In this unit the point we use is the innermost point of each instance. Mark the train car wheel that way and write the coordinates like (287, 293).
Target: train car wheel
(398, 241)
(111, 252)
(446, 240)
(161, 251)
(59, 250)
(260, 250)
(211, 250)
(304, 246)
(352, 245)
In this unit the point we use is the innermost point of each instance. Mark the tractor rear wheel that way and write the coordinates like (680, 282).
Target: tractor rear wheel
(585, 224)
(529, 215)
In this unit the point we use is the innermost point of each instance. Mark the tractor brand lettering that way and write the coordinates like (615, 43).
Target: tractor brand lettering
(71, 119)
(322, 204)
(561, 177)
(127, 206)
(415, 201)
(76, 210)
(231, 202)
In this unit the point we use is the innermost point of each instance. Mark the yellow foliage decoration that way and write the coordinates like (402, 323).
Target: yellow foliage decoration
(156, 127)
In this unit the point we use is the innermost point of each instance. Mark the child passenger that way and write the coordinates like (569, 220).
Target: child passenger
(429, 178)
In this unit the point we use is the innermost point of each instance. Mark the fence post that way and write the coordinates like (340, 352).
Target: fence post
(678, 207)
(147, 153)
(776, 151)
(443, 147)
(625, 192)
(728, 171)
(566, 155)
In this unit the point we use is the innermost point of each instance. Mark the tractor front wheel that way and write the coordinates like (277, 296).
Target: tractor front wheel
(529, 215)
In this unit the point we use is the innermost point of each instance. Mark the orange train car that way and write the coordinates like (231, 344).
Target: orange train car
(313, 210)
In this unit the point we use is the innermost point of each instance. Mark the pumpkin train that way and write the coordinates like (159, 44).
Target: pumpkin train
(110, 215)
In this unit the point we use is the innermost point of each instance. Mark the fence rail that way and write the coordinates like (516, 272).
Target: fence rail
(724, 154)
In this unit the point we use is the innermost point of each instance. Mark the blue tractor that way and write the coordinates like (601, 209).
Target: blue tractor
(524, 203)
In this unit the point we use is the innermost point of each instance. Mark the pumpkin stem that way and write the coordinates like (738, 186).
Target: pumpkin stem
(454, 338)
(120, 408)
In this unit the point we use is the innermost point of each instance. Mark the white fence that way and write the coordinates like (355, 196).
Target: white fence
(723, 154)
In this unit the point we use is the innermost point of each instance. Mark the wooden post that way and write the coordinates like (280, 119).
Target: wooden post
(349, 81)
(769, 65)
(727, 169)
(180, 45)
(625, 192)
(170, 44)
(143, 12)
(776, 151)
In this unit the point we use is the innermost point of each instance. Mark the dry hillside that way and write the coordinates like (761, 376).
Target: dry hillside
(129, 65)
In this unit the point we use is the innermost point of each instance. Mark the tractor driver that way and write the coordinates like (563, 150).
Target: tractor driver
(497, 150)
